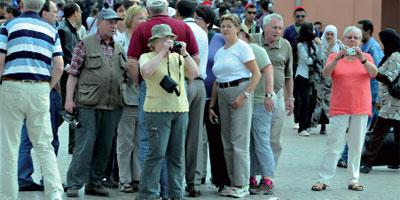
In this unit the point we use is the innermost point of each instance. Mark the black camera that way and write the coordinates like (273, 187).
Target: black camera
(168, 84)
(71, 119)
(177, 47)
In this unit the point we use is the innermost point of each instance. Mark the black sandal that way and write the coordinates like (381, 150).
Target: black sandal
(319, 187)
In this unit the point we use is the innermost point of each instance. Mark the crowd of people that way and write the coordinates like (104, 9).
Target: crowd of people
(148, 88)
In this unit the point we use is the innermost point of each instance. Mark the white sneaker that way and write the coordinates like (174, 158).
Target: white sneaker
(304, 133)
(240, 192)
(313, 130)
(296, 126)
(56, 196)
(226, 191)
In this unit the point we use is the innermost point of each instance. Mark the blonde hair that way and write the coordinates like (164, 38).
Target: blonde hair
(131, 13)
(232, 17)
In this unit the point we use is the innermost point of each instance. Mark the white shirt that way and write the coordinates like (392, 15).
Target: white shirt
(92, 29)
(202, 42)
(229, 64)
(305, 59)
(122, 39)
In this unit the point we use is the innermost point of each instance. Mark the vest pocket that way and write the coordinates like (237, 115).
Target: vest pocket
(94, 61)
(88, 93)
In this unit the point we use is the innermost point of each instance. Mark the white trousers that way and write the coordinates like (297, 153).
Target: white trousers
(338, 125)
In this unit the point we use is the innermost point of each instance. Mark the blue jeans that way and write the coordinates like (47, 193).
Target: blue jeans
(25, 164)
(262, 160)
(344, 155)
(144, 144)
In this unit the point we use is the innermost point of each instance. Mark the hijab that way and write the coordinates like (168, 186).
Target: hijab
(325, 43)
(391, 43)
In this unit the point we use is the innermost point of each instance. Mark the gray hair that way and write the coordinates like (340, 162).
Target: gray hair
(267, 19)
(33, 5)
(353, 29)
(154, 10)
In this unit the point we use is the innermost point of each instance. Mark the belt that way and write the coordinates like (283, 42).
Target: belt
(24, 81)
(232, 83)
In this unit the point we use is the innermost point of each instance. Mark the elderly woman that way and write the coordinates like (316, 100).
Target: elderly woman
(389, 114)
(261, 157)
(330, 44)
(351, 71)
(166, 109)
(128, 136)
(237, 76)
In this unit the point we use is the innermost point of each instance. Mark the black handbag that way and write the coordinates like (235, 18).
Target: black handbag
(394, 87)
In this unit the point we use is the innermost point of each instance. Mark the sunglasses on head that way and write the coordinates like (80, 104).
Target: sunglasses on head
(251, 12)
(300, 16)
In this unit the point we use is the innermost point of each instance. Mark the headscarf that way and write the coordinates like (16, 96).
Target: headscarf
(325, 43)
(391, 43)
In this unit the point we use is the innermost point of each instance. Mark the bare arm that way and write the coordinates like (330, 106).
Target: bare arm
(69, 99)
(2, 63)
(58, 67)
(133, 69)
(269, 86)
(213, 102)
(289, 96)
(330, 67)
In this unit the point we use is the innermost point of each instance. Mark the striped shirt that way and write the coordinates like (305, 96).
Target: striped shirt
(29, 44)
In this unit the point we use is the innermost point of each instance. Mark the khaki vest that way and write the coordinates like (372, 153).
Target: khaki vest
(100, 81)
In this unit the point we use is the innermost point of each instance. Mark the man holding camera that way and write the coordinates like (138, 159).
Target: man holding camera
(97, 72)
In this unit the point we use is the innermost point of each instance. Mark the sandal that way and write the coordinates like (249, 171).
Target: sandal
(125, 187)
(355, 187)
(319, 187)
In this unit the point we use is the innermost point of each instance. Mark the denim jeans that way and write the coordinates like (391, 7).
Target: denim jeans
(144, 144)
(261, 157)
(166, 136)
(25, 164)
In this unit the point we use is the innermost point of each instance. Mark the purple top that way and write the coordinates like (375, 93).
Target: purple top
(216, 43)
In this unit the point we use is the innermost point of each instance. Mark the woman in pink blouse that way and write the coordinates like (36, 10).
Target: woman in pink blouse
(351, 71)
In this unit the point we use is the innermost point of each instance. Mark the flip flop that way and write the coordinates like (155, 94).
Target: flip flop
(355, 187)
(319, 187)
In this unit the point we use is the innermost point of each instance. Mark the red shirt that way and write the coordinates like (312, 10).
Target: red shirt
(142, 33)
(351, 93)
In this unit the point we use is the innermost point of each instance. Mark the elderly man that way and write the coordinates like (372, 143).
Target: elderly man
(197, 99)
(34, 65)
(280, 53)
(25, 163)
(98, 69)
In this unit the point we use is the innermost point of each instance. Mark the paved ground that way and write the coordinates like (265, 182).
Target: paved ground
(297, 169)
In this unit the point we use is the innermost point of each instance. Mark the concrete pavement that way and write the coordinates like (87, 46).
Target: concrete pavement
(295, 175)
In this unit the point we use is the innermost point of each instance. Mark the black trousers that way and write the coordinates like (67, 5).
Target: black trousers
(380, 130)
(219, 172)
(305, 102)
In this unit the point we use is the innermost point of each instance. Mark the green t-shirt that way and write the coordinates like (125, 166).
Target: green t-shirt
(262, 60)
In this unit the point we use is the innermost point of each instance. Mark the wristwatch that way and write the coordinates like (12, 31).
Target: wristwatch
(269, 95)
(246, 94)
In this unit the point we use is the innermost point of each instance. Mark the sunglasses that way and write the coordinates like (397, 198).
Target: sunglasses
(251, 13)
(300, 16)
(352, 37)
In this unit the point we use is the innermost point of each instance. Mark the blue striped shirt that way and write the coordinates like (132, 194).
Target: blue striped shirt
(29, 44)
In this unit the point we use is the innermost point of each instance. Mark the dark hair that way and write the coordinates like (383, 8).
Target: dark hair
(264, 4)
(367, 25)
(125, 3)
(46, 7)
(391, 43)
(70, 8)
(307, 36)
(106, 5)
(299, 9)
(186, 8)
(207, 13)
(13, 10)
(318, 22)
(3, 4)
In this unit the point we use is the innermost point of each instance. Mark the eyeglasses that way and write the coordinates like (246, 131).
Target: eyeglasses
(251, 13)
(300, 16)
(352, 37)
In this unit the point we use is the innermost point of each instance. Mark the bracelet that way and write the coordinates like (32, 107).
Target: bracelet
(364, 61)
(185, 55)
